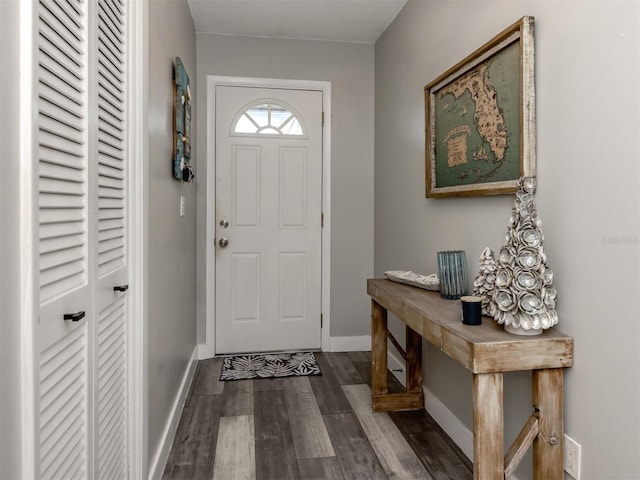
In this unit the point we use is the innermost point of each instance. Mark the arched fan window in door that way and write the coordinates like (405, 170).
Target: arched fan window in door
(268, 118)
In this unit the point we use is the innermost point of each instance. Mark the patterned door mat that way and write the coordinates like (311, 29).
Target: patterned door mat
(269, 365)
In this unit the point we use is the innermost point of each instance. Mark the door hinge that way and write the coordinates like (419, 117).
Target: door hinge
(323, 119)
(321, 320)
(322, 220)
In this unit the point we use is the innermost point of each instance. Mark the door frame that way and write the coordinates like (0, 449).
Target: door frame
(138, 225)
(207, 350)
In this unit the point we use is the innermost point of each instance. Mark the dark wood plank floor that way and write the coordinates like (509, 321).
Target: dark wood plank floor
(319, 427)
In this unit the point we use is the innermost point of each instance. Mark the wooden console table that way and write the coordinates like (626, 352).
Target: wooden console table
(487, 351)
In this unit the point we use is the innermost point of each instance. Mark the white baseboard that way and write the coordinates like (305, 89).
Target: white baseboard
(459, 433)
(336, 344)
(397, 367)
(205, 351)
(162, 454)
(350, 344)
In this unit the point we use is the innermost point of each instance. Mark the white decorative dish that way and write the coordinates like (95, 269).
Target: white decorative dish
(427, 282)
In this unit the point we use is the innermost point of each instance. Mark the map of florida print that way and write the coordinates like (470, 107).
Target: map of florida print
(487, 118)
(477, 116)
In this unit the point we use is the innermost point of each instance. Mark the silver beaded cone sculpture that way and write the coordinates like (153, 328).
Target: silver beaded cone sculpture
(485, 280)
(524, 299)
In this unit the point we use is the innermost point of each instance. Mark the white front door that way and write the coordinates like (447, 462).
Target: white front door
(268, 219)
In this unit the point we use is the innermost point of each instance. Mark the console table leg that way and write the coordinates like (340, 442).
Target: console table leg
(414, 361)
(548, 445)
(488, 427)
(378, 349)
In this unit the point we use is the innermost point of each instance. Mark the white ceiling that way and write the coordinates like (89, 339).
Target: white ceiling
(358, 21)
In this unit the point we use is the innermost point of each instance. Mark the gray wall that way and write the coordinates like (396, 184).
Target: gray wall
(349, 68)
(588, 95)
(10, 271)
(172, 239)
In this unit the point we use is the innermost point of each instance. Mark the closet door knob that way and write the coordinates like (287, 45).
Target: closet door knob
(74, 317)
(121, 288)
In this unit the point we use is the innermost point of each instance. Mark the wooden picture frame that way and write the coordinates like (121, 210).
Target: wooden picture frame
(480, 118)
(181, 167)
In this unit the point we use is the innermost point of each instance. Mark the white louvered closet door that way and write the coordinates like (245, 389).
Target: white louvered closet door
(111, 260)
(82, 204)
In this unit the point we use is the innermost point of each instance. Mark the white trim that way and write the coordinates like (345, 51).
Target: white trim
(162, 454)
(397, 367)
(138, 169)
(208, 349)
(204, 351)
(459, 433)
(29, 245)
(326, 210)
(351, 344)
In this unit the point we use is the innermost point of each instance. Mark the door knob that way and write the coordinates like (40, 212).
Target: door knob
(74, 317)
(224, 223)
(223, 242)
(121, 288)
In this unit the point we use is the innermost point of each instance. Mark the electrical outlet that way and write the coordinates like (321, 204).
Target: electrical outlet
(572, 457)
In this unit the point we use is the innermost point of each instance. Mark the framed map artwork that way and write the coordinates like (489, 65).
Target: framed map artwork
(480, 118)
